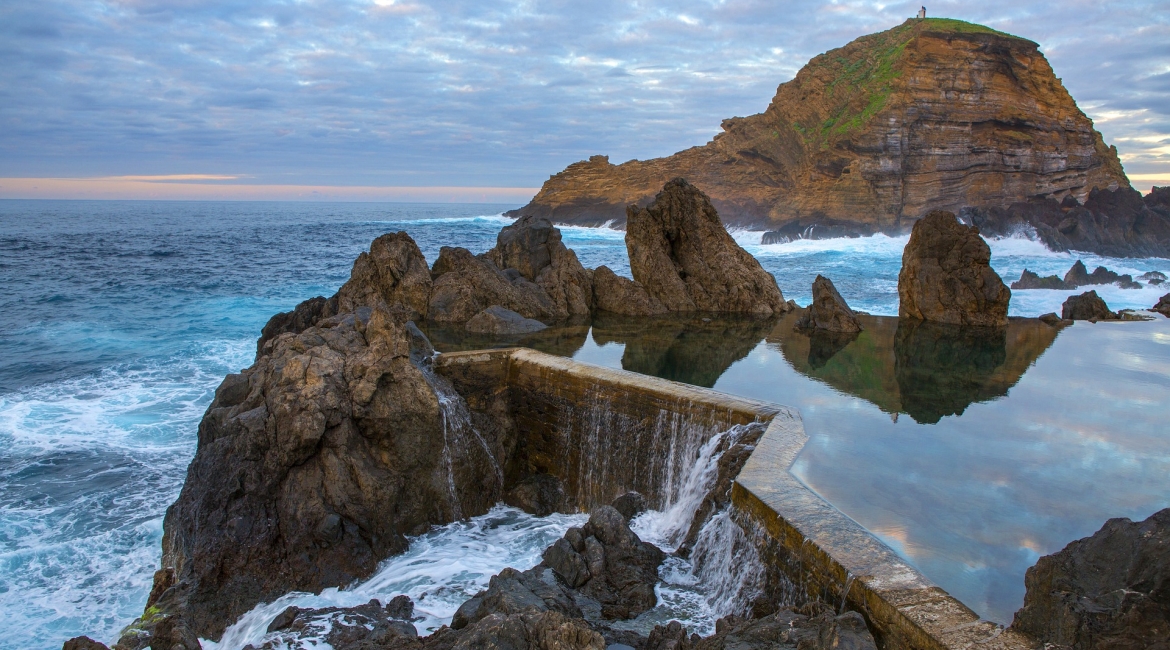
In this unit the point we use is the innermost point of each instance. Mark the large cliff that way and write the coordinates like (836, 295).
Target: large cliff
(932, 114)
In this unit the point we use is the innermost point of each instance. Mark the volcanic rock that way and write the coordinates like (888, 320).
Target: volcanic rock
(1030, 280)
(932, 114)
(1078, 275)
(532, 246)
(540, 495)
(313, 465)
(684, 257)
(83, 643)
(946, 275)
(351, 628)
(528, 630)
(465, 284)
(618, 295)
(302, 317)
(1110, 590)
(393, 272)
(1152, 276)
(828, 310)
(500, 321)
(1050, 318)
(1163, 306)
(1087, 306)
(630, 504)
(514, 592)
(781, 630)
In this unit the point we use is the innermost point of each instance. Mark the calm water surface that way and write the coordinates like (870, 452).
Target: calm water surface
(970, 455)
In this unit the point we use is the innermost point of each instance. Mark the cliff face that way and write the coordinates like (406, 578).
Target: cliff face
(932, 114)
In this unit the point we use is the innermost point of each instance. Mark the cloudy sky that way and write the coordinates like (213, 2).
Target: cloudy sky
(404, 99)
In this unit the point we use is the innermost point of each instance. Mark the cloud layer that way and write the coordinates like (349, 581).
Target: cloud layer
(484, 93)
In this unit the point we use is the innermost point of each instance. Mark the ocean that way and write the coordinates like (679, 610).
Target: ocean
(119, 319)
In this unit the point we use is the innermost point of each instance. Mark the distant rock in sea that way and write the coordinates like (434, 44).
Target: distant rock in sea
(1087, 306)
(1030, 280)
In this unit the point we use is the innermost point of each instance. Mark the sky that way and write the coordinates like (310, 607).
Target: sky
(467, 100)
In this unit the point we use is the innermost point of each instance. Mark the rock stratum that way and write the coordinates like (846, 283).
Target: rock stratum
(934, 114)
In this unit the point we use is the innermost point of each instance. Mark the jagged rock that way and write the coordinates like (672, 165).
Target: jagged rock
(540, 495)
(1163, 306)
(514, 592)
(672, 636)
(828, 310)
(1087, 306)
(618, 295)
(784, 629)
(316, 471)
(83, 643)
(1077, 275)
(499, 321)
(946, 275)
(393, 272)
(533, 247)
(302, 317)
(1151, 276)
(364, 627)
(1050, 319)
(1030, 280)
(684, 257)
(630, 504)
(465, 284)
(528, 630)
(1110, 590)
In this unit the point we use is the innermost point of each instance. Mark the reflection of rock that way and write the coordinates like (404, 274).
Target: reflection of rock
(828, 311)
(946, 275)
(692, 350)
(822, 345)
(1029, 280)
(941, 368)
(1163, 306)
(1110, 590)
(1087, 306)
(533, 247)
(500, 321)
(618, 295)
(684, 257)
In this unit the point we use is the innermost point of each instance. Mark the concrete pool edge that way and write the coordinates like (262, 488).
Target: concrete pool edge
(803, 540)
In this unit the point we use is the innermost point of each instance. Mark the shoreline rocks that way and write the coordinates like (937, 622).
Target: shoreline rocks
(1087, 306)
(828, 311)
(1163, 306)
(946, 275)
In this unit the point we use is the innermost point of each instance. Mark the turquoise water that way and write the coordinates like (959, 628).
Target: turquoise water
(120, 318)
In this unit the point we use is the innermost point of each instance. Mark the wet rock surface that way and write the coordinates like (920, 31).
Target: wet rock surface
(540, 495)
(828, 311)
(618, 295)
(1087, 306)
(499, 321)
(682, 254)
(946, 275)
(364, 627)
(783, 629)
(1030, 280)
(1163, 306)
(1110, 590)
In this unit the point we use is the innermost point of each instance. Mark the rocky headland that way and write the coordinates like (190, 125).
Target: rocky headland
(934, 114)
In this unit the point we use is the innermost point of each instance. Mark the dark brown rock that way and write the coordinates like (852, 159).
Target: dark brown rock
(540, 495)
(1110, 590)
(526, 630)
(301, 318)
(1050, 319)
(499, 321)
(1163, 306)
(828, 310)
(1087, 306)
(515, 592)
(946, 275)
(533, 247)
(1030, 280)
(83, 643)
(630, 504)
(394, 271)
(684, 257)
(465, 285)
(364, 627)
(618, 295)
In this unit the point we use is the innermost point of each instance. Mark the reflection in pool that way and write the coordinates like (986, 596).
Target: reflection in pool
(1017, 441)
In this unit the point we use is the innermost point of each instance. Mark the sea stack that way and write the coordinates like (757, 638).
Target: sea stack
(828, 311)
(947, 277)
(683, 256)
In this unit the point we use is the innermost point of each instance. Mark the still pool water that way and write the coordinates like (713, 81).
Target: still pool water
(120, 318)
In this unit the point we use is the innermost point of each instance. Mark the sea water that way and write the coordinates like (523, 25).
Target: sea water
(119, 319)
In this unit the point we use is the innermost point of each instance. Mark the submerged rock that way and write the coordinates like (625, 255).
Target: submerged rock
(684, 257)
(618, 295)
(1163, 306)
(532, 246)
(1087, 306)
(828, 311)
(499, 321)
(946, 275)
(84, 643)
(1110, 590)
(1030, 280)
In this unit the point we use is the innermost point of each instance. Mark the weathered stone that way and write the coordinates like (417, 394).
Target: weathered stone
(83, 643)
(514, 592)
(528, 630)
(394, 271)
(828, 310)
(618, 295)
(946, 275)
(532, 246)
(684, 257)
(630, 504)
(465, 285)
(1087, 306)
(1152, 275)
(540, 495)
(302, 317)
(1030, 280)
(499, 321)
(1110, 590)
(1050, 319)
(364, 627)
(1163, 306)
(1077, 275)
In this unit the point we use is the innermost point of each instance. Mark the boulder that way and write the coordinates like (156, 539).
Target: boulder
(784, 629)
(828, 310)
(83, 643)
(1030, 280)
(532, 246)
(394, 271)
(631, 504)
(527, 630)
(312, 466)
(350, 628)
(1110, 590)
(684, 257)
(1163, 306)
(1151, 276)
(1087, 306)
(515, 592)
(466, 284)
(540, 495)
(946, 275)
(499, 321)
(1050, 319)
(618, 295)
